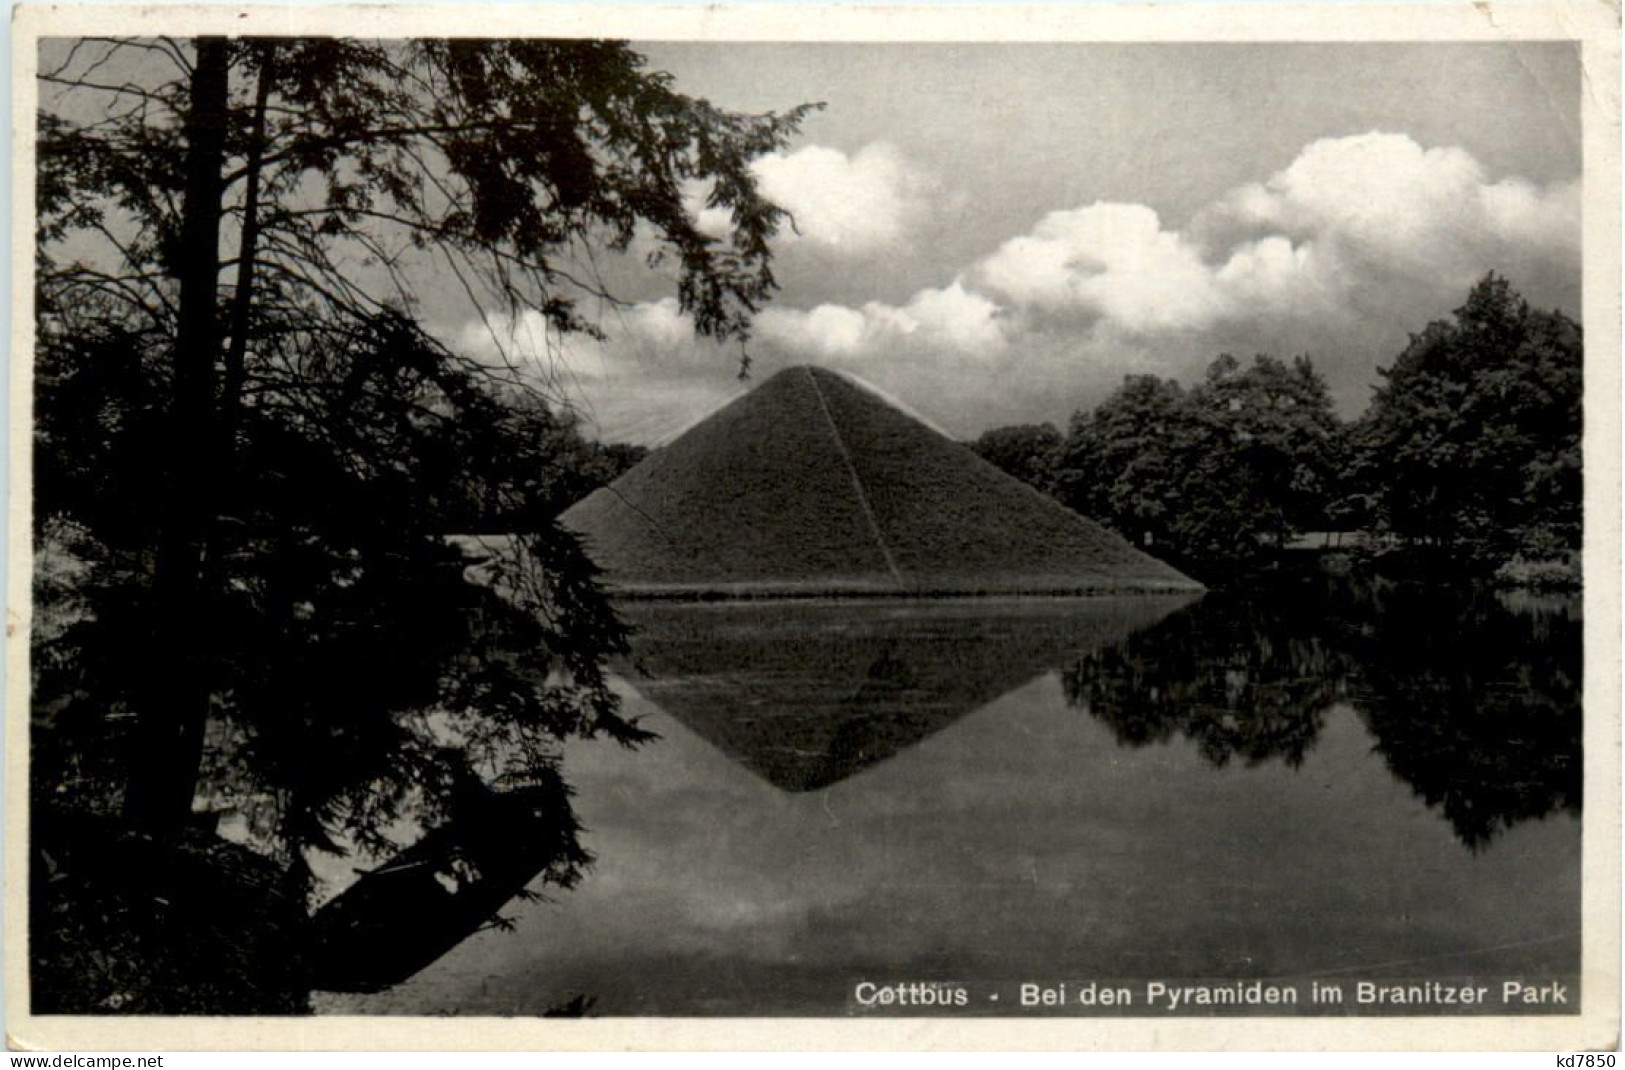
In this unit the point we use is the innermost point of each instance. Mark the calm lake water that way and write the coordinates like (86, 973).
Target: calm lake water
(1316, 783)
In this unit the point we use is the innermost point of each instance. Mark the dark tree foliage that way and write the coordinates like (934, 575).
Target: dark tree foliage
(358, 673)
(1268, 435)
(1472, 442)
(498, 158)
(1125, 463)
(1026, 451)
(251, 455)
(1471, 448)
(606, 461)
(102, 898)
(1220, 473)
(1350, 503)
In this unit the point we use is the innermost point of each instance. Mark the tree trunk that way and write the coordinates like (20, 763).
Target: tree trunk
(173, 705)
(242, 299)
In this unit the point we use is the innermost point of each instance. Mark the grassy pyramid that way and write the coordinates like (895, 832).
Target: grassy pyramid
(812, 484)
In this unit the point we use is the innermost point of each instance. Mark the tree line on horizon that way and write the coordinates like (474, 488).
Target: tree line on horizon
(1469, 453)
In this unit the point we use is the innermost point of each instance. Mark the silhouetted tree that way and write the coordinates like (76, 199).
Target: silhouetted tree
(1472, 442)
(1214, 475)
(1026, 451)
(257, 450)
(1269, 434)
(1126, 462)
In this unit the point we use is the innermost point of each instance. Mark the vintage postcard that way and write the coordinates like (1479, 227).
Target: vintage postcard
(815, 527)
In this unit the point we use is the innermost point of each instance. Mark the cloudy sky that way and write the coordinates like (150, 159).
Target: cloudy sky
(998, 234)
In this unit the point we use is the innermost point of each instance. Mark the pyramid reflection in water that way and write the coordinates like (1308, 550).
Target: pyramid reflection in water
(805, 694)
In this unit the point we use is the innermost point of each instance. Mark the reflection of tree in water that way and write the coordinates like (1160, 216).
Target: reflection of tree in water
(1241, 678)
(1477, 707)
(1473, 700)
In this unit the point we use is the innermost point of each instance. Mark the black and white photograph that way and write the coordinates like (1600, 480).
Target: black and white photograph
(997, 528)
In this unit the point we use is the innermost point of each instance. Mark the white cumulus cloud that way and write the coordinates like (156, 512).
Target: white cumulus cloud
(859, 203)
(1355, 243)
(1108, 261)
(951, 319)
(1381, 206)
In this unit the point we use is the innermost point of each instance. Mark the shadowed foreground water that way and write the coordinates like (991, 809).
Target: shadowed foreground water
(1322, 783)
